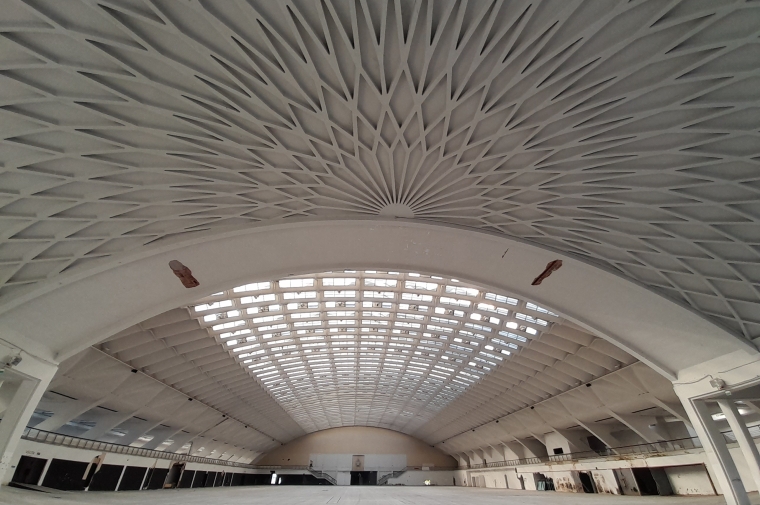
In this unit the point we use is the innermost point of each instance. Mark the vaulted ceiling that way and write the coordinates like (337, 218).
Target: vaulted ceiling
(623, 132)
(272, 360)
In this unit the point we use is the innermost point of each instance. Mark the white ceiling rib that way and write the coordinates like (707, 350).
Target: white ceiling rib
(175, 350)
(97, 397)
(625, 132)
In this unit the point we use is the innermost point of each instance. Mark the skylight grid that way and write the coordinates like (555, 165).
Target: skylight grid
(385, 349)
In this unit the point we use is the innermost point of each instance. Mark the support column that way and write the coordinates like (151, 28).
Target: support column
(34, 376)
(743, 437)
(717, 453)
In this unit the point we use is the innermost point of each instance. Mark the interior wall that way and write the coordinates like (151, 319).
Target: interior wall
(556, 441)
(358, 440)
(418, 478)
(344, 462)
(690, 480)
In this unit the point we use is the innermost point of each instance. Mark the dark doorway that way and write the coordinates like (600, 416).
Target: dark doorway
(587, 482)
(364, 478)
(559, 450)
(199, 479)
(186, 480)
(256, 479)
(652, 481)
(106, 478)
(543, 483)
(172, 478)
(66, 475)
(132, 478)
(219, 479)
(29, 470)
(663, 483)
(210, 478)
(157, 478)
(148, 476)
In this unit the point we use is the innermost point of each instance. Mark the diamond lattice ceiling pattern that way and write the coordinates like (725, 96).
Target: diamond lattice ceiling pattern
(625, 132)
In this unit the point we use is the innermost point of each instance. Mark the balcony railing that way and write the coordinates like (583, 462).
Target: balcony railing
(680, 444)
(47, 437)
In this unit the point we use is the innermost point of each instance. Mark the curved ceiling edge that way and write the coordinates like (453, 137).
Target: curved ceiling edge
(658, 331)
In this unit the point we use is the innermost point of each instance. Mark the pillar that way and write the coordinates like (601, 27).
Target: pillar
(743, 437)
(34, 376)
(717, 453)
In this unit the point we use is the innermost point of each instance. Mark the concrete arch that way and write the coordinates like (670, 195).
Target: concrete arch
(349, 440)
(70, 314)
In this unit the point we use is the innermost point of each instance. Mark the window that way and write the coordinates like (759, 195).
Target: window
(421, 286)
(462, 291)
(501, 298)
(256, 286)
(389, 358)
(296, 283)
(381, 283)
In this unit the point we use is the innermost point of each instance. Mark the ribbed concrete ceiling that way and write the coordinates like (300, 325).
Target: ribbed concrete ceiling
(372, 348)
(625, 132)
(426, 355)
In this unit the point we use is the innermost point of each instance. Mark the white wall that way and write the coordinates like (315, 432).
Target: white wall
(686, 472)
(331, 462)
(343, 462)
(566, 481)
(385, 446)
(377, 462)
(628, 485)
(605, 481)
(690, 480)
(556, 441)
(512, 479)
(418, 478)
(344, 478)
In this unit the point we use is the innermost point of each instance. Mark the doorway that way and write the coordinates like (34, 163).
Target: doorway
(587, 482)
(363, 478)
(29, 470)
(172, 478)
(543, 483)
(652, 481)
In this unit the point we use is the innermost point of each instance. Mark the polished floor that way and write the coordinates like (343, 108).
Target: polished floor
(306, 495)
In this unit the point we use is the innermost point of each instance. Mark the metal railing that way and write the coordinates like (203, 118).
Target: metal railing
(680, 444)
(324, 475)
(385, 478)
(48, 437)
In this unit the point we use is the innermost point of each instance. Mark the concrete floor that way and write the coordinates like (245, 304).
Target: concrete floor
(305, 495)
